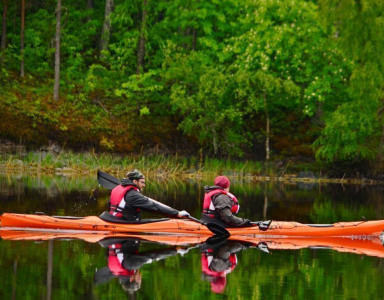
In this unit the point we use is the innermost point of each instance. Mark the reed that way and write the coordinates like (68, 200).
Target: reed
(161, 165)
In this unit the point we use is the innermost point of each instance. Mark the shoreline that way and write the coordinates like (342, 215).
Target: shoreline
(73, 172)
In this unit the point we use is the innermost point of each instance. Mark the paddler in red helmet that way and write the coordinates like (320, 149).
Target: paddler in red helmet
(220, 206)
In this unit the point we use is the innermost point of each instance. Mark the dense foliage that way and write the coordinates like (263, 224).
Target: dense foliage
(261, 78)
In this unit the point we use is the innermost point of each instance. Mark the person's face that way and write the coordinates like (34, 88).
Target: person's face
(140, 183)
(227, 189)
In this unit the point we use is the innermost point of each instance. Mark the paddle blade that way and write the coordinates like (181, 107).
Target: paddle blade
(214, 228)
(218, 230)
(103, 275)
(216, 240)
(106, 180)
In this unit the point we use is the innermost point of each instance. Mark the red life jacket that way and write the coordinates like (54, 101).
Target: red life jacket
(209, 208)
(115, 260)
(117, 199)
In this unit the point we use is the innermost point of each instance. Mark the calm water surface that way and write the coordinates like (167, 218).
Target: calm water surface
(72, 268)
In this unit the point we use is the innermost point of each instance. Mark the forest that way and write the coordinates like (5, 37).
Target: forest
(249, 79)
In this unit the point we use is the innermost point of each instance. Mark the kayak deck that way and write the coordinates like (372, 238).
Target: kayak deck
(277, 228)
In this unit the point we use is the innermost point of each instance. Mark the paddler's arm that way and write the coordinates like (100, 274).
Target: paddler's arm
(226, 251)
(223, 205)
(136, 261)
(136, 200)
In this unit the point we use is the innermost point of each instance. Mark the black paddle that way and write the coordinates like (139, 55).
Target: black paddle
(108, 181)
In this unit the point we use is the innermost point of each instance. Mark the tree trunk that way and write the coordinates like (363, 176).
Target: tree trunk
(3, 34)
(106, 31)
(141, 50)
(50, 268)
(194, 38)
(267, 129)
(14, 281)
(265, 208)
(90, 6)
(22, 37)
(214, 140)
(56, 87)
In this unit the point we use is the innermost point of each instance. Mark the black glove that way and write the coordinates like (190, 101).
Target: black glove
(246, 223)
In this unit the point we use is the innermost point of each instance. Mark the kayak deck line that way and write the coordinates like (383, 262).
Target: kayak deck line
(185, 226)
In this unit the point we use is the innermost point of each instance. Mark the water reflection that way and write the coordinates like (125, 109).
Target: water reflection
(217, 261)
(125, 260)
(127, 254)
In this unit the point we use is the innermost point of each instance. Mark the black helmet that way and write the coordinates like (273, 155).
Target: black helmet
(135, 174)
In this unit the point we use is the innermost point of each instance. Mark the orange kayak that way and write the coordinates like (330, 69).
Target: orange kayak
(371, 246)
(184, 226)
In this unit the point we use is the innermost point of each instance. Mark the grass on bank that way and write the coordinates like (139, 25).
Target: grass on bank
(167, 165)
(69, 162)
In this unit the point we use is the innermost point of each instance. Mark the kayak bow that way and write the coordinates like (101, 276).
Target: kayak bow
(165, 226)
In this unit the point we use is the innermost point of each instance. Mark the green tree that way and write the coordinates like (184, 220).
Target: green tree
(284, 64)
(353, 130)
(205, 102)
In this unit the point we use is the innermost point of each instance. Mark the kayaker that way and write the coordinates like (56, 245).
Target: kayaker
(220, 206)
(127, 201)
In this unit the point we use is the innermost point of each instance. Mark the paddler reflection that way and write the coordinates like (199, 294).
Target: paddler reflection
(125, 260)
(218, 260)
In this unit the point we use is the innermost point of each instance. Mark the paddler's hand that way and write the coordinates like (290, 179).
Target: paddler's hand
(246, 223)
(183, 214)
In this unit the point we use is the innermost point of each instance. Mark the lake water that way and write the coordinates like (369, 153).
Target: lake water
(69, 267)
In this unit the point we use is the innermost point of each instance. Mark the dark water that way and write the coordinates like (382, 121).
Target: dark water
(68, 268)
